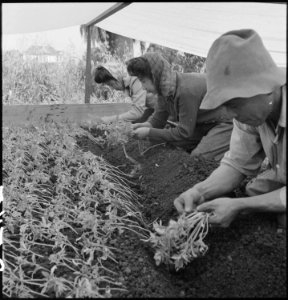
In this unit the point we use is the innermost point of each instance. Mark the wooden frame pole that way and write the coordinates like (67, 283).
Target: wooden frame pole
(88, 78)
(101, 17)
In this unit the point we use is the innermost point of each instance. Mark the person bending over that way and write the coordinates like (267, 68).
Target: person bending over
(114, 75)
(242, 76)
(204, 132)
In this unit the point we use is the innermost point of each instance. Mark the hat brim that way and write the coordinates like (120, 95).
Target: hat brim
(247, 87)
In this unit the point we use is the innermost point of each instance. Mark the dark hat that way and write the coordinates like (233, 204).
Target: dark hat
(239, 66)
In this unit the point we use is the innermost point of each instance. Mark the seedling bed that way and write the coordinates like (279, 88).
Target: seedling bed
(248, 259)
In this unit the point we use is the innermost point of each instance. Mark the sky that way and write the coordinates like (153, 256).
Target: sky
(56, 24)
(66, 39)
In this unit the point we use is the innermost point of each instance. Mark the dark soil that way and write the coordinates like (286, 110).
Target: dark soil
(248, 259)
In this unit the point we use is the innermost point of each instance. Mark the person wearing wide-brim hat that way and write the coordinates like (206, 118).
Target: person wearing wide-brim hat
(242, 76)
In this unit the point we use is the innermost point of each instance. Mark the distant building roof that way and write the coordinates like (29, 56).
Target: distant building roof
(42, 50)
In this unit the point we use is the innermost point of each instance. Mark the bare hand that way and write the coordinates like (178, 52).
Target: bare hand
(141, 133)
(188, 201)
(140, 125)
(136, 125)
(224, 210)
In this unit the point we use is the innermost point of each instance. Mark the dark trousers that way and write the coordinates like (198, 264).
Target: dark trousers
(210, 141)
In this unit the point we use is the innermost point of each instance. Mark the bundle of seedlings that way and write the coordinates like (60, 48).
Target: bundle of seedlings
(180, 242)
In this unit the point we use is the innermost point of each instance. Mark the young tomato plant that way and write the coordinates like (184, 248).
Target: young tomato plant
(119, 133)
(61, 207)
(180, 242)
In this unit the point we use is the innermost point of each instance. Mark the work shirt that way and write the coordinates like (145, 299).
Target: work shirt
(182, 104)
(250, 145)
(134, 90)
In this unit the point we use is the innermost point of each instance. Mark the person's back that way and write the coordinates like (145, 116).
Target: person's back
(179, 96)
(115, 75)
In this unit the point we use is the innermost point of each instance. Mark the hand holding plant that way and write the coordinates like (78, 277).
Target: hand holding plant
(141, 133)
(140, 125)
(188, 200)
(222, 210)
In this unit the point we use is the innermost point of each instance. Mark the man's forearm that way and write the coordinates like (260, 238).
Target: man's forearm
(274, 201)
(221, 181)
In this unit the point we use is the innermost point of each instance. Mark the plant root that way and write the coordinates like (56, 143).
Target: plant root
(154, 146)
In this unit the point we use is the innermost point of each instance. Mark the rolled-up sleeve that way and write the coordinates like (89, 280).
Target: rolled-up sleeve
(134, 90)
(138, 94)
(246, 152)
(133, 114)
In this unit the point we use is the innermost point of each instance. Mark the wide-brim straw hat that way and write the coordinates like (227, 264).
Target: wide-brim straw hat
(239, 66)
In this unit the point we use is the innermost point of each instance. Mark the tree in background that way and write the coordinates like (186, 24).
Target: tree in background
(109, 43)
(180, 61)
(29, 82)
(108, 46)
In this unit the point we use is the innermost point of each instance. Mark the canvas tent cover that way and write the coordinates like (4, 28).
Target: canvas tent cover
(188, 26)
